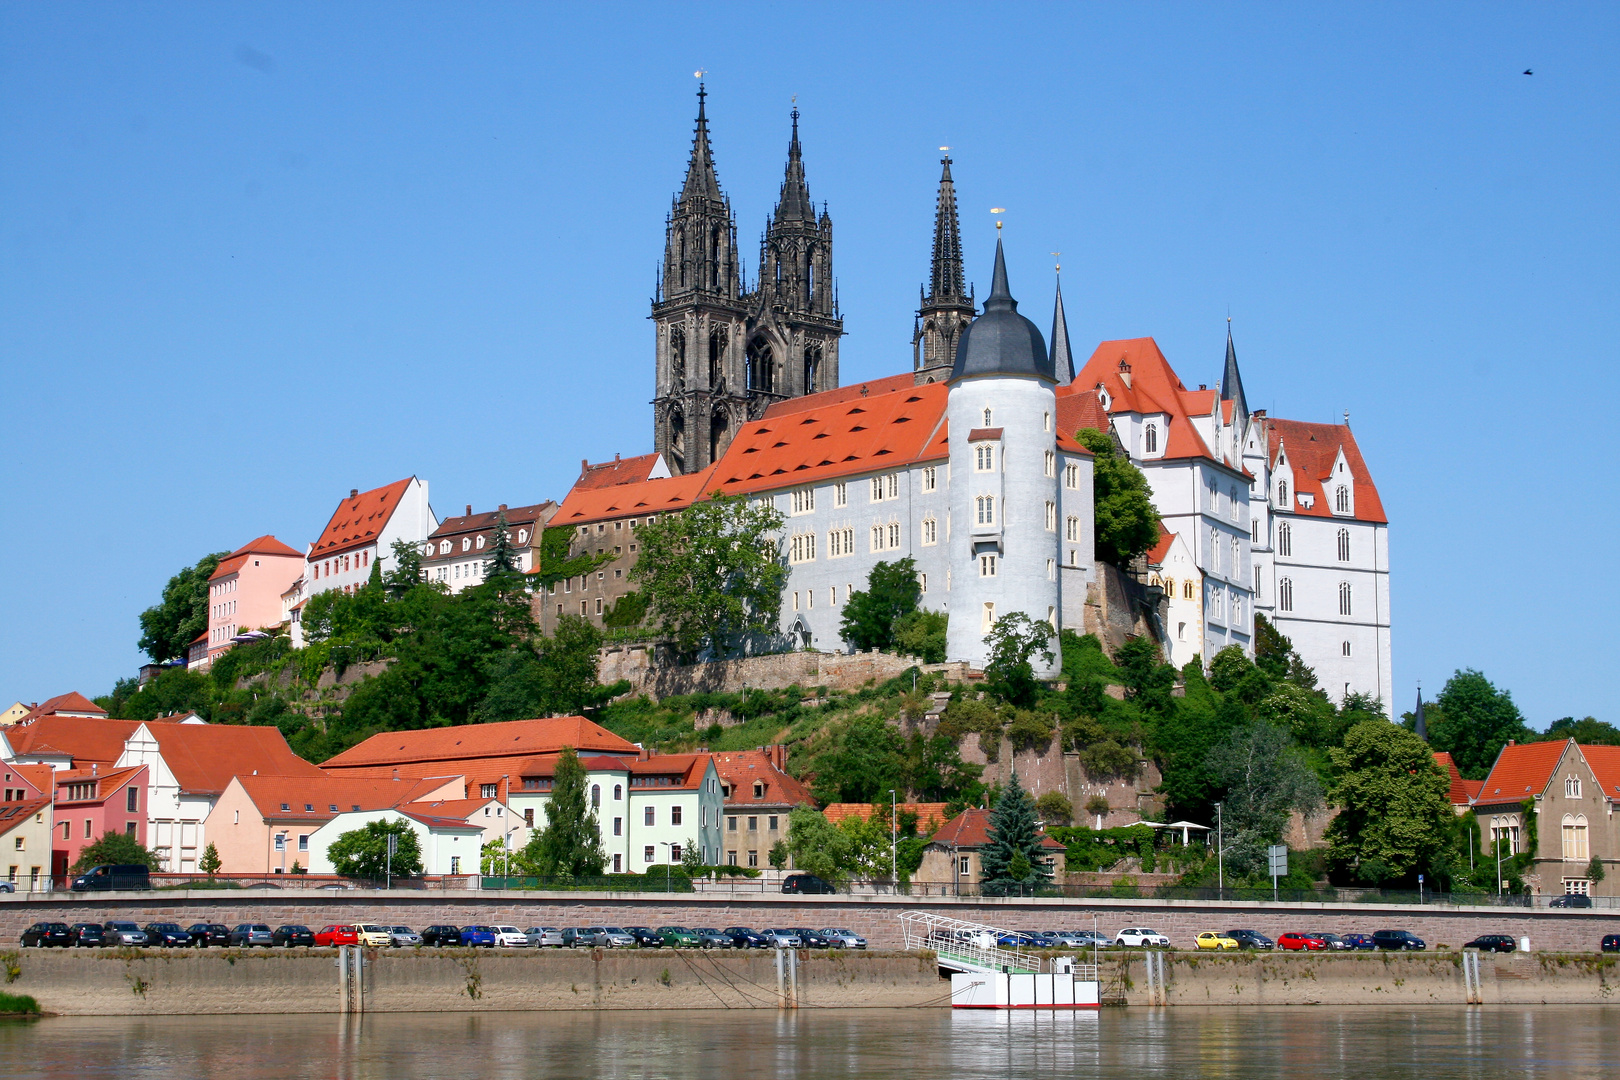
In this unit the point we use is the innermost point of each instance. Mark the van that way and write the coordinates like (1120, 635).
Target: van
(113, 878)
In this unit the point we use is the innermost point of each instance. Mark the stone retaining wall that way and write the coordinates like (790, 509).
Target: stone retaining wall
(637, 664)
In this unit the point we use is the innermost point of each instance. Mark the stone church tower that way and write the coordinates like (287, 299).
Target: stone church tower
(947, 306)
(723, 355)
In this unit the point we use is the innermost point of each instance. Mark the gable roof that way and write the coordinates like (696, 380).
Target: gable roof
(513, 738)
(630, 470)
(359, 519)
(108, 781)
(1605, 764)
(1312, 450)
(87, 740)
(269, 791)
(1081, 408)
(264, 545)
(739, 769)
(889, 384)
(71, 703)
(585, 505)
(40, 777)
(689, 768)
(1520, 771)
(1154, 387)
(1161, 548)
(204, 757)
(1461, 790)
(16, 814)
(515, 515)
(971, 829)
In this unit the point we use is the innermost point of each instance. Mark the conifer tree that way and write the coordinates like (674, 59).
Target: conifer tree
(570, 846)
(503, 560)
(1012, 860)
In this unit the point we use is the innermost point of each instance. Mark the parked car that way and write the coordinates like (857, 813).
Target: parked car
(86, 935)
(1332, 941)
(248, 935)
(1016, 939)
(123, 932)
(806, 884)
(204, 934)
(711, 938)
(335, 934)
(375, 936)
(293, 935)
(403, 936)
(1360, 941)
(1610, 943)
(744, 938)
(166, 934)
(478, 936)
(614, 937)
(678, 937)
(1140, 937)
(1075, 939)
(441, 934)
(1397, 939)
(509, 937)
(576, 937)
(133, 878)
(646, 937)
(1492, 943)
(843, 939)
(1211, 939)
(809, 939)
(8, 886)
(47, 935)
(1295, 942)
(1571, 900)
(1251, 939)
(781, 939)
(544, 937)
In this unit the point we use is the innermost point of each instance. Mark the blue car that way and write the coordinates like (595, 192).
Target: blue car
(475, 936)
(1014, 940)
(744, 938)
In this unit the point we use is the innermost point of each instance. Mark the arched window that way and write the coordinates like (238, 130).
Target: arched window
(618, 792)
(717, 356)
(1150, 439)
(680, 257)
(985, 506)
(1285, 539)
(1237, 555)
(1575, 845)
(1215, 550)
(987, 418)
(1345, 648)
(761, 367)
(596, 796)
(812, 368)
(1344, 598)
(1572, 787)
(1282, 495)
(677, 358)
(714, 258)
(1344, 545)
(1341, 500)
(1285, 594)
(1188, 590)
(1170, 587)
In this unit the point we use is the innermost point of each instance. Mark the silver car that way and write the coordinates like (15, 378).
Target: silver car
(404, 935)
(843, 939)
(542, 937)
(612, 937)
(781, 939)
(124, 933)
(1078, 939)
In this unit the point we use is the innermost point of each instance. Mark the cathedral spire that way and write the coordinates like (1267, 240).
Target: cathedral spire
(1062, 358)
(701, 181)
(947, 282)
(1418, 722)
(947, 307)
(795, 204)
(1232, 382)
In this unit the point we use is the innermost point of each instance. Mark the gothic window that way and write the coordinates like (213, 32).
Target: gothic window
(986, 509)
(1215, 550)
(1071, 476)
(1051, 463)
(930, 531)
(1071, 528)
(1575, 845)
(1170, 587)
(1344, 649)
(761, 367)
(1237, 555)
(810, 275)
(984, 457)
(680, 257)
(1344, 545)
(1232, 503)
(894, 534)
(677, 439)
(812, 368)
(677, 358)
(804, 500)
(930, 478)
(717, 436)
(1285, 594)
(1285, 540)
(1150, 439)
(987, 418)
(1341, 500)
(1187, 589)
(1051, 517)
(714, 258)
(717, 355)
(1344, 598)
(1282, 494)
(1572, 787)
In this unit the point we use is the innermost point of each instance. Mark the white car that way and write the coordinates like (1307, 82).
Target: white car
(510, 937)
(1141, 937)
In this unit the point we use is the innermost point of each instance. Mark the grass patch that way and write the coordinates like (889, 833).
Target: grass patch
(18, 1005)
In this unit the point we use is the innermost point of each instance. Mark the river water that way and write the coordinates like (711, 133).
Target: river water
(1431, 1043)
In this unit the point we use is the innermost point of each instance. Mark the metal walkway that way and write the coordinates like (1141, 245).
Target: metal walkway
(964, 946)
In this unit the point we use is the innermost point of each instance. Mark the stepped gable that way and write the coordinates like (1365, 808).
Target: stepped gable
(517, 739)
(1312, 450)
(584, 505)
(630, 470)
(1521, 770)
(1146, 385)
(359, 519)
(204, 757)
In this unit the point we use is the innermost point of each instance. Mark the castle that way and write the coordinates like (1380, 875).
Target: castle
(968, 464)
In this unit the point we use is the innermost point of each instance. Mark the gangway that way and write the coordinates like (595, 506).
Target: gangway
(964, 946)
(984, 975)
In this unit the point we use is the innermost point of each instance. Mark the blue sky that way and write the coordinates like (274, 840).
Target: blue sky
(252, 256)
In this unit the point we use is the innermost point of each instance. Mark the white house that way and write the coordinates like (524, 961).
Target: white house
(1171, 567)
(450, 845)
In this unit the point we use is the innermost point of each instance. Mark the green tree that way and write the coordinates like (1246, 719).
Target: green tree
(115, 849)
(570, 846)
(1262, 776)
(1147, 679)
(692, 858)
(1055, 808)
(865, 761)
(1122, 503)
(363, 852)
(557, 677)
(1472, 720)
(871, 615)
(406, 573)
(210, 861)
(713, 572)
(1394, 804)
(502, 564)
(779, 855)
(1013, 640)
(1587, 731)
(169, 628)
(818, 846)
(922, 634)
(1011, 859)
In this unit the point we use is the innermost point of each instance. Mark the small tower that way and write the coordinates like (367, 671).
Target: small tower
(1062, 358)
(1003, 477)
(947, 305)
(794, 326)
(700, 397)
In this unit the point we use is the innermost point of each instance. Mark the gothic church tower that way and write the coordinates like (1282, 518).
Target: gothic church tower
(947, 306)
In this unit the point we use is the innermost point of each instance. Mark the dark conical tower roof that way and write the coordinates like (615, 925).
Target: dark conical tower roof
(1001, 341)
(947, 283)
(701, 181)
(1062, 358)
(1419, 724)
(1232, 382)
(794, 204)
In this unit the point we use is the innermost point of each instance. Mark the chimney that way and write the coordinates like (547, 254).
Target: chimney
(469, 509)
(503, 508)
(584, 466)
(615, 458)
(354, 493)
(1125, 373)
(1510, 742)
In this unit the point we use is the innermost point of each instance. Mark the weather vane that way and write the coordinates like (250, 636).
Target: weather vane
(1058, 255)
(699, 73)
(998, 210)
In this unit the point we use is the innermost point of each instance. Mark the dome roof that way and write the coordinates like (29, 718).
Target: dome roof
(1001, 341)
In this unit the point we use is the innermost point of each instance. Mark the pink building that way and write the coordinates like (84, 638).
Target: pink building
(92, 802)
(244, 592)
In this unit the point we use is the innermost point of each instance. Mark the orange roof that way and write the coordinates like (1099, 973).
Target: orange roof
(1161, 549)
(108, 781)
(823, 441)
(631, 470)
(739, 769)
(264, 545)
(589, 504)
(1081, 408)
(1459, 787)
(1520, 771)
(204, 757)
(72, 703)
(1312, 450)
(513, 738)
(1154, 388)
(889, 384)
(15, 814)
(1605, 763)
(459, 809)
(930, 815)
(39, 777)
(87, 740)
(359, 519)
(689, 767)
(971, 829)
(270, 791)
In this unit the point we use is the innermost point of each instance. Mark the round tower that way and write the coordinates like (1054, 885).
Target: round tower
(1003, 476)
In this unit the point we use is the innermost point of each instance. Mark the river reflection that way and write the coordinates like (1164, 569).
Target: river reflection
(1435, 1043)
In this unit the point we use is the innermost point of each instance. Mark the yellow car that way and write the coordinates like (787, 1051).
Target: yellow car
(374, 937)
(1209, 939)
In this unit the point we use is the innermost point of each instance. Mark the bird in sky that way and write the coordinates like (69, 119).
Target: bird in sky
(1527, 71)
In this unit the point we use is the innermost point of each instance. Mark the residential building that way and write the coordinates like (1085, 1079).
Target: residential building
(25, 843)
(362, 532)
(91, 802)
(72, 703)
(621, 470)
(457, 552)
(1573, 791)
(13, 714)
(1172, 568)
(67, 742)
(759, 795)
(244, 592)
(449, 845)
(955, 850)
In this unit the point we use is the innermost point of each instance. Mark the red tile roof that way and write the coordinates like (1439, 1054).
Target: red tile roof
(585, 505)
(631, 470)
(39, 777)
(204, 757)
(889, 384)
(1080, 408)
(971, 829)
(514, 738)
(690, 768)
(1520, 771)
(1161, 549)
(1459, 794)
(264, 545)
(1154, 388)
(269, 791)
(87, 740)
(515, 515)
(1605, 763)
(1312, 450)
(108, 781)
(359, 519)
(740, 768)
(930, 816)
(71, 702)
(451, 809)
(16, 814)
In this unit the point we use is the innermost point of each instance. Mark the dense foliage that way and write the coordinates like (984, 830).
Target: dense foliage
(1472, 720)
(1011, 860)
(1122, 505)
(363, 852)
(872, 615)
(169, 628)
(114, 849)
(570, 845)
(1392, 800)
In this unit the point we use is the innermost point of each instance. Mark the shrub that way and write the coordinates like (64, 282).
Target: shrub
(1055, 808)
(1030, 730)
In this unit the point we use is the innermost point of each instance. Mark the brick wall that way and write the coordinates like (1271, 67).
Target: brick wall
(638, 664)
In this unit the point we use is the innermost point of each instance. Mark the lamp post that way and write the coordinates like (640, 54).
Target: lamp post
(506, 832)
(1220, 855)
(668, 844)
(894, 838)
(1498, 845)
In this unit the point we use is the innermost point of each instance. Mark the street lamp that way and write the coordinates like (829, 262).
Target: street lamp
(1220, 855)
(671, 846)
(894, 838)
(506, 832)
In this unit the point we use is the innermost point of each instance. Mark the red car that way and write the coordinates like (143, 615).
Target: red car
(328, 936)
(1299, 942)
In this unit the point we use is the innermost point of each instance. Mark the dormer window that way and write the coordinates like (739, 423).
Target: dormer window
(1341, 500)
(1150, 439)
(759, 789)
(466, 543)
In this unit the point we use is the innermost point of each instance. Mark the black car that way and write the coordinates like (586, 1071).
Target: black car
(646, 937)
(1571, 900)
(806, 884)
(46, 935)
(293, 934)
(87, 935)
(167, 934)
(1398, 939)
(744, 938)
(1491, 943)
(1251, 939)
(811, 939)
(204, 934)
(1611, 943)
(442, 934)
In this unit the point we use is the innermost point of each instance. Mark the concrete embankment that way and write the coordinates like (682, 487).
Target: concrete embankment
(156, 982)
